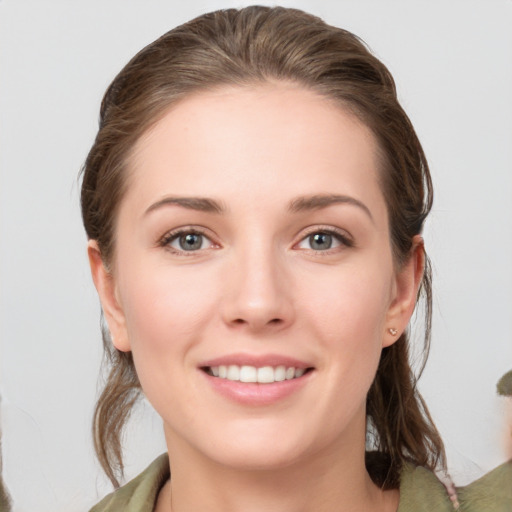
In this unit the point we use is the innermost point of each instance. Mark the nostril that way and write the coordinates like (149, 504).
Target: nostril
(273, 321)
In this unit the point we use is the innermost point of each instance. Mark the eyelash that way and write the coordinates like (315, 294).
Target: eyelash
(171, 236)
(338, 235)
(341, 236)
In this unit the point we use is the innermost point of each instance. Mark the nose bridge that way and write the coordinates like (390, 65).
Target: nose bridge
(257, 296)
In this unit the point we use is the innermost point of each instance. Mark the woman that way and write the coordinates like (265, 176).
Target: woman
(254, 202)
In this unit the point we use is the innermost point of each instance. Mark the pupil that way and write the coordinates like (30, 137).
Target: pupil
(191, 241)
(320, 241)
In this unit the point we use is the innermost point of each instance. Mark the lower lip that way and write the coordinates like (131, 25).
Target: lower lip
(254, 393)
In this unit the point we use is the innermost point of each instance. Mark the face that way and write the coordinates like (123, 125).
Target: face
(253, 277)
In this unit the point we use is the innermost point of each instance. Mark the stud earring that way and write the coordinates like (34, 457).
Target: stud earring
(392, 331)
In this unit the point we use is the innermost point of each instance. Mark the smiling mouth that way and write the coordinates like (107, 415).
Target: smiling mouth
(253, 374)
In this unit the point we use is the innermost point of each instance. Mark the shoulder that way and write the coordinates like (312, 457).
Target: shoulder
(422, 491)
(492, 492)
(141, 493)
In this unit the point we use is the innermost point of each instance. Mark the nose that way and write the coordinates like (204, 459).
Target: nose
(258, 291)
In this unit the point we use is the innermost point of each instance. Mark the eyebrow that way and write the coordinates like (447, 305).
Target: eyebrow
(300, 204)
(202, 204)
(319, 201)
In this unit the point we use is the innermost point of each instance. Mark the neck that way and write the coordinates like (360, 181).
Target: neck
(323, 484)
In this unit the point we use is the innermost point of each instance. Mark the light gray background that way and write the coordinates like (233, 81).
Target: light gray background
(453, 65)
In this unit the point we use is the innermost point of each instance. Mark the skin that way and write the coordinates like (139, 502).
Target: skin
(257, 286)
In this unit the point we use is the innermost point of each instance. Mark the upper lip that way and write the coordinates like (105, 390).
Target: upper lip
(255, 360)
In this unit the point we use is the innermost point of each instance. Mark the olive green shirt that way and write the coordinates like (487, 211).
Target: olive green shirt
(420, 491)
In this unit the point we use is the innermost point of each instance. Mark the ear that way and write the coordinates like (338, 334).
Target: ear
(407, 283)
(107, 291)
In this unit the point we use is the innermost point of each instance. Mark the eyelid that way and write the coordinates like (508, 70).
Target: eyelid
(341, 235)
(175, 233)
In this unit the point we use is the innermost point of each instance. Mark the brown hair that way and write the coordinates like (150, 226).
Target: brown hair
(245, 47)
(5, 500)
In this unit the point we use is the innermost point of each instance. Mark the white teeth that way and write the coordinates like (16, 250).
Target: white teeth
(233, 372)
(248, 374)
(280, 374)
(263, 375)
(266, 374)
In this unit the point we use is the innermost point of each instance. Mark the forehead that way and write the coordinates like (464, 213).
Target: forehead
(258, 142)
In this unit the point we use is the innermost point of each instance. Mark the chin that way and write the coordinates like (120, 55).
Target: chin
(266, 449)
(255, 458)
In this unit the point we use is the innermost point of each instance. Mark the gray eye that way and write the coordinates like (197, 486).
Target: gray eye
(189, 242)
(320, 241)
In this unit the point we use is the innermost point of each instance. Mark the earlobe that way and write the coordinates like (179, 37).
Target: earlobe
(407, 283)
(105, 286)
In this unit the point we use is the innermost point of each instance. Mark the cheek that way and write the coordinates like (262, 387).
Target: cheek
(351, 306)
(345, 314)
(167, 313)
(166, 310)
(349, 322)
